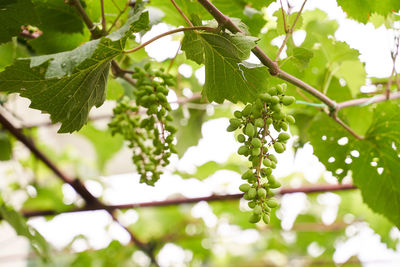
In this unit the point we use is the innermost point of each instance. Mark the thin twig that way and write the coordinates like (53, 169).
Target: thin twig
(182, 14)
(345, 126)
(204, 28)
(284, 18)
(367, 100)
(394, 57)
(173, 59)
(103, 17)
(117, 18)
(289, 31)
(95, 32)
(169, 202)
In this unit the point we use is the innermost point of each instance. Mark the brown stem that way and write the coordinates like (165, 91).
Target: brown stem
(182, 14)
(204, 28)
(94, 30)
(289, 31)
(103, 17)
(345, 126)
(117, 18)
(177, 201)
(367, 100)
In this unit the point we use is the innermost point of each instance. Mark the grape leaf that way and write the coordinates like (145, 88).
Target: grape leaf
(374, 162)
(57, 16)
(302, 56)
(361, 10)
(227, 77)
(55, 42)
(16, 220)
(13, 15)
(68, 84)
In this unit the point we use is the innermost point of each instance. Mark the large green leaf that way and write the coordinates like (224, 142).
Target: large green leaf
(67, 85)
(13, 15)
(374, 162)
(361, 10)
(56, 15)
(20, 226)
(227, 77)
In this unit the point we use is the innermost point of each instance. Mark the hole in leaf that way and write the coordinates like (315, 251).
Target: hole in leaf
(339, 171)
(331, 159)
(380, 170)
(343, 141)
(342, 82)
(323, 137)
(394, 146)
(374, 164)
(355, 153)
(348, 160)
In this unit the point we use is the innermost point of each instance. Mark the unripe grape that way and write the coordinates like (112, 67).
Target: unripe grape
(235, 122)
(259, 123)
(272, 158)
(278, 147)
(237, 114)
(272, 91)
(275, 184)
(251, 204)
(277, 108)
(257, 210)
(278, 115)
(272, 203)
(254, 218)
(267, 162)
(248, 175)
(281, 88)
(243, 150)
(290, 119)
(231, 128)
(284, 126)
(252, 193)
(269, 121)
(244, 187)
(249, 130)
(265, 97)
(265, 218)
(277, 127)
(256, 151)
(262, 193)
(256, 143)
(241, 138)
(274, 100)
(283, 136)
(247, 110)
(247, 197)
(288, 100)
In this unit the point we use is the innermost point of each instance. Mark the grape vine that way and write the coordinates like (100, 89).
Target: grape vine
(255, 120)
(146, 123)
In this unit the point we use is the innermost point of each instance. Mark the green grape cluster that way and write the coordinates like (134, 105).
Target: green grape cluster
(257, 143)
(146, 124)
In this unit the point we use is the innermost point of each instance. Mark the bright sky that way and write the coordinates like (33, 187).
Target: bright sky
(374, 46)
